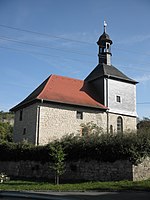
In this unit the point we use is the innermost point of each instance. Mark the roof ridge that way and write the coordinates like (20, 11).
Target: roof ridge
(66, 77)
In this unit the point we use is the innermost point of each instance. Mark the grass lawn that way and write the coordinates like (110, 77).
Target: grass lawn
(101, 186)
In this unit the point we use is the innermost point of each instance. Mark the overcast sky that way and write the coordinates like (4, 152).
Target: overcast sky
(43, 37)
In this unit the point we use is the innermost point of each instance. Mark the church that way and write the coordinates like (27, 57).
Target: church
(106, 97)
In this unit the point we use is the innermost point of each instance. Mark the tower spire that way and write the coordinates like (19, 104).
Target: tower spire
(105, 25)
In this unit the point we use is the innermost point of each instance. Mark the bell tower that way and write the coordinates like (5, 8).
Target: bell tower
(104, 44)
(113, 88)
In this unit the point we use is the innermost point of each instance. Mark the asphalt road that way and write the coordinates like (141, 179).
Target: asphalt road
(126, 195)
(102, 195)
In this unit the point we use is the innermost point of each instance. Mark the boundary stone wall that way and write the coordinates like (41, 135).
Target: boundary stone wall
(80, 170)
(142, 170)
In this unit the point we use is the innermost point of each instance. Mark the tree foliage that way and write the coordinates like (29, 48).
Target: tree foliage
(108, 147)
(6, 116)
(58, 156)
(91, 128)
(6, 131)
(144, 124)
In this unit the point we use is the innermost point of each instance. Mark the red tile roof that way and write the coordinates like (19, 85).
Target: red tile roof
(63, 90)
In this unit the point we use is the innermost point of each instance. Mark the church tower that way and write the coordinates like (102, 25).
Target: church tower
(113, 89)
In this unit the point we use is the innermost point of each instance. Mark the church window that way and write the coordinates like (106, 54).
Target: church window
(79, 115)
(111, 129)
(20, 116)
(119, 125)
(24, 131)
(118, 99)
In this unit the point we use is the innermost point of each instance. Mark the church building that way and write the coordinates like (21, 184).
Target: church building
(106, 97)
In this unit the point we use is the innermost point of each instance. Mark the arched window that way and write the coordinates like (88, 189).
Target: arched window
(119, 125)
(111, 129)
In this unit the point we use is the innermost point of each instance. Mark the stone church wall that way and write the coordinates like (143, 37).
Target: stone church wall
(129, 122)
(25, 129)
(59, 120)
(80, 170)
(42, 123)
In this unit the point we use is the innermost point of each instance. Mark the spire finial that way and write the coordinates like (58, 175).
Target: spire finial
(105, 24)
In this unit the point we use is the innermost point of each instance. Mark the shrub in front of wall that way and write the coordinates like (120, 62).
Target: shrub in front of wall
(108, 147)
(101, 147)
(20, 151)
(7, 151)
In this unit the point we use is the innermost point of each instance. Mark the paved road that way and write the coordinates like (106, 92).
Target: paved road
(102, 195)
(78, 195)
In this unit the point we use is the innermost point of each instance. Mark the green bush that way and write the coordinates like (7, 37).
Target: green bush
(101, 147)
(21, 151)
(108, 147)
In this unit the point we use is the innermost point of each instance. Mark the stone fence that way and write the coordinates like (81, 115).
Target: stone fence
(80, 170)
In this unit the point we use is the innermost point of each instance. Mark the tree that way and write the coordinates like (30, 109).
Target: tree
(144, 124)
(7, 117)
(6, 131)
(58, 156)
(91, 128)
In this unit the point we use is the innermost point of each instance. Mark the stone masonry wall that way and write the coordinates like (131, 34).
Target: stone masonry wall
(25, 129)
(80, 170)
(99, 171)
(59, 120)
(42, 123)
(129, 122)
(142, 170)
(89, 171)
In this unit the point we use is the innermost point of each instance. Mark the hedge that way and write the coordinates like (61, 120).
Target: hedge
(101, 147)
(107, 147)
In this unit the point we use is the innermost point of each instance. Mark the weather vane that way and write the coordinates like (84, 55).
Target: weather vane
(105, 24)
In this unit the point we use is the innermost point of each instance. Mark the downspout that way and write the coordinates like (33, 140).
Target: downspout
(107, 121)
(38, 123)
(38, 126)
(107, 104)
(107, 91)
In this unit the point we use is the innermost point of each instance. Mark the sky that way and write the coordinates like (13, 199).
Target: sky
(43, 37)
